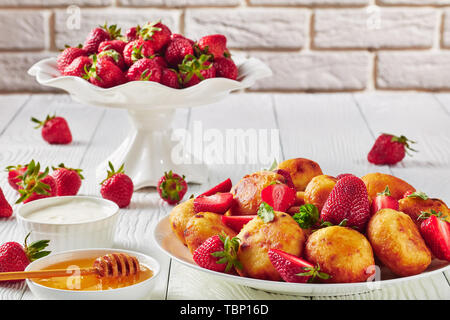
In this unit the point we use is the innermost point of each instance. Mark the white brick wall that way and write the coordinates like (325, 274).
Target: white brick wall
(311, 45)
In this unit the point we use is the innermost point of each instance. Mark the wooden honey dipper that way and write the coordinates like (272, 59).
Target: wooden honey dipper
(114, 265)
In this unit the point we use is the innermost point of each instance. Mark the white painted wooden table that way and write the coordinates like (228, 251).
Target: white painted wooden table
(336, 130)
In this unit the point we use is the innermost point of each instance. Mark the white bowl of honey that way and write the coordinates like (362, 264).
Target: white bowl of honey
(90, 286)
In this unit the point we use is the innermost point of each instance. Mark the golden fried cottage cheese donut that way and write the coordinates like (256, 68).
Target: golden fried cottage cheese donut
(202, 226)
(413, 207)
(377, 182)
(257, 237)
(318, 190)
(179, 217)
(247, 192)
(397, 242)
(301, 170)
(343, 253)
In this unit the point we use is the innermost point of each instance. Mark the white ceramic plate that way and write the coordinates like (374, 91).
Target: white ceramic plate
(168, 243)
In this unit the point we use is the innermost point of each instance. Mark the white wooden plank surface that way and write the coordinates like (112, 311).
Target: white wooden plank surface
(336, 130)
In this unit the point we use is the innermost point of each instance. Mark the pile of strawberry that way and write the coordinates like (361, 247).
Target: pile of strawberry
(147, 53)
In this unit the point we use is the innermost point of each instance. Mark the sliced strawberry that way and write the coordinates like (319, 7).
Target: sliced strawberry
(293, 268)
(237, 222)
(279, 196)
(287, 176)
(217, 203)
(436, 232)
(224, 186)
(384, 200)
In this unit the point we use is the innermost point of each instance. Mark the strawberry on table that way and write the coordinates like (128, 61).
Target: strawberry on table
(436, 232)
(66, 57)
(35, 184)
(68, 180)
(218, 253)
(5, 208)
(237, 222)
(193, 70)
(79, 67)
(217, 203)
(215, 45)
(389, 149)
(104, 73)
(295, 269)
(172, 187)
(176, 50)
(144, 70)
(157, 33)
(347, 203)
(55, 130)
(117, 187)
(15, 257)
(98, 35)
(279, 196)
(224, 186)
(226, 68)
(384, 200)
(14, 172)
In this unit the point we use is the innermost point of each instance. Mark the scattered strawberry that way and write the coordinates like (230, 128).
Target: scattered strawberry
(170, 78)
(218, 253)
(384, 200)
(389, 149)
(237, 222)
(294, 269)
(55, 130)
(348, 204)
(217, 203)
(287, 177)
(98, 35)
(66, 57)
(5, 208)
(194, 70)
(144, 70)
(68, 180)
(224, 186)
(177, 50)
(172, 187)
(156, 33)
(35, 184)
(14, 172)
(226, 68)
(117, 187)
(117, 45)
(79, 67)
(104, 73)
(114, 57)
(436, 232)
(214, 45)
(15, 257)
(279, 196)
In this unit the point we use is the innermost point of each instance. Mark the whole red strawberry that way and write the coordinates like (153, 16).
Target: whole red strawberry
(193, 70)
(105, 74)
(389, 149)
(132, 33)
(14, 172)
(157, 33)
(114, 57)
(5, 208)
(136, 50)
(215, 45)
(98, 35)
(159, 60)
(15, 257)
(144, 70)
(170, 78)
(176, 50)
(117, 45)
(68, 180)
(226, 68)
(117, 187)
(66, 57)
(55, 130)
(436, 232)
(347, 204)
(218, 253)
(217, 203)
(79, 67)
(172, 187)
(36, 184)
(294, 269)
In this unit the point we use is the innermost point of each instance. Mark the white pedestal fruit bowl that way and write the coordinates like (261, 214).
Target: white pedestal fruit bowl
(146, 152)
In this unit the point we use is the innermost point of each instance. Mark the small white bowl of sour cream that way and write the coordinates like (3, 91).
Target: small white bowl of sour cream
(70, 222)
